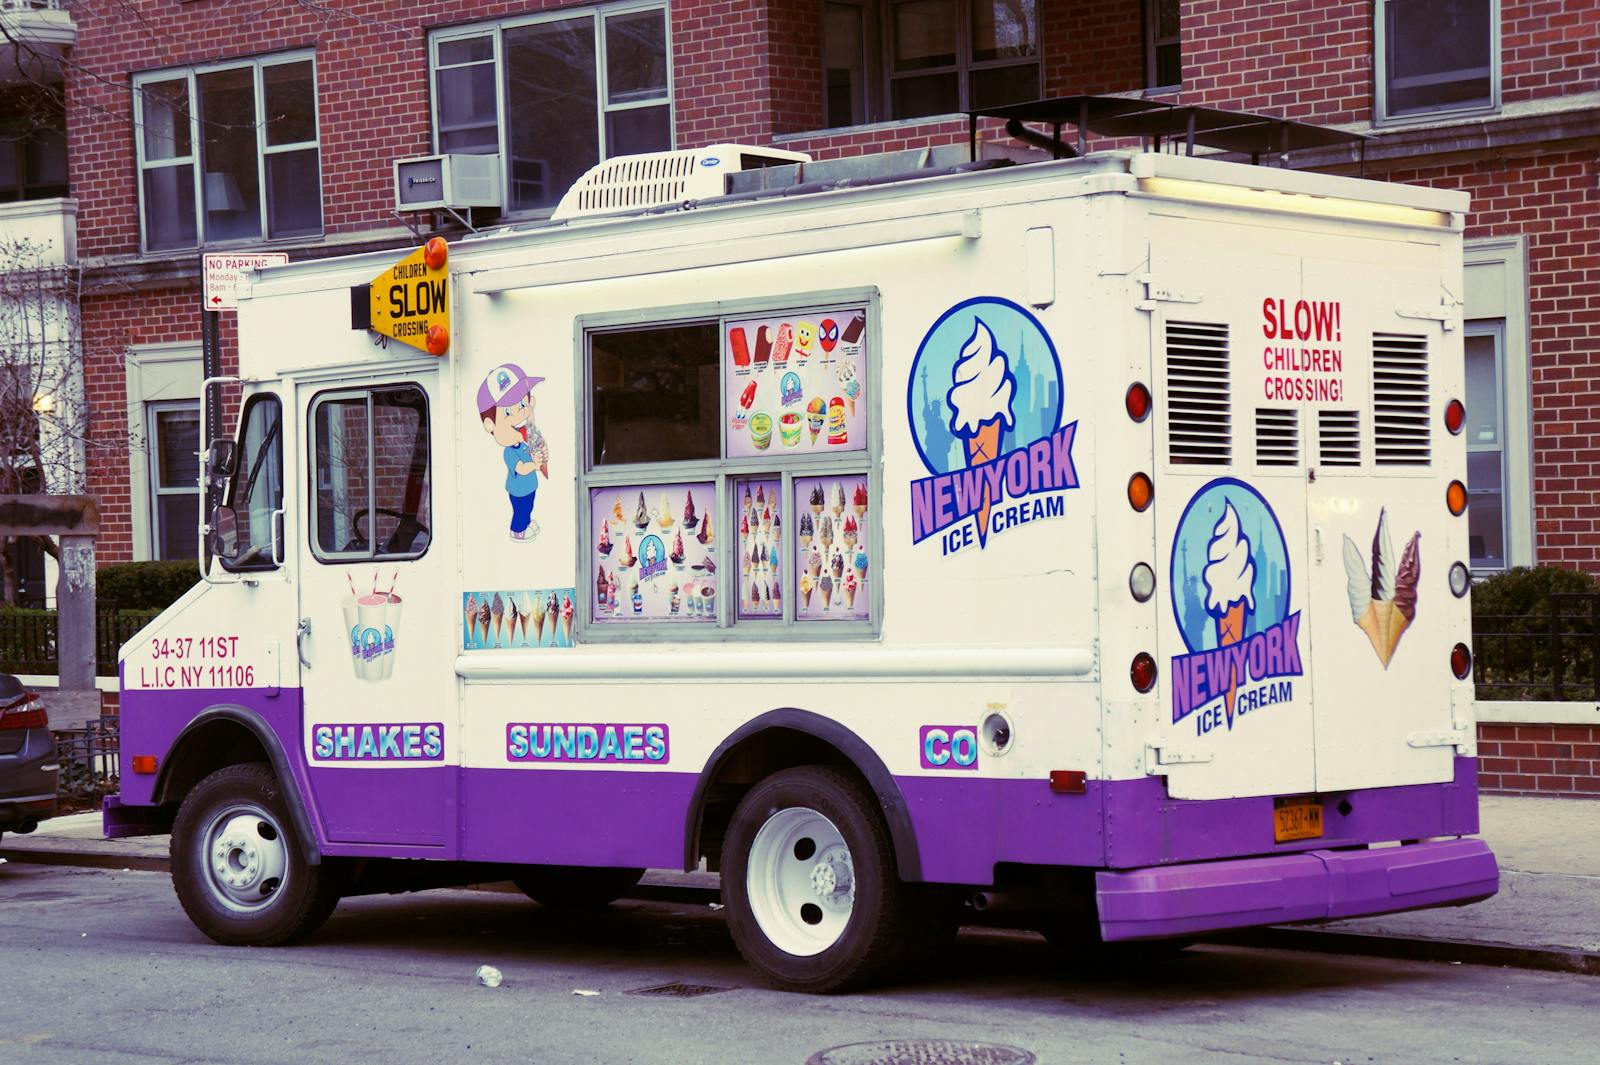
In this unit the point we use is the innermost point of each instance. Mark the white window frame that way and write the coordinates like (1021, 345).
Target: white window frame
(495, 31)
(1497, 298)
(158, 491)
(1380, 70)
(193, 160)
(155, 374)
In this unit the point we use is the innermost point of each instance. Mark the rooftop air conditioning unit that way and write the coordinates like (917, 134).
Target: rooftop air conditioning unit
(446, 182)
(633, 182)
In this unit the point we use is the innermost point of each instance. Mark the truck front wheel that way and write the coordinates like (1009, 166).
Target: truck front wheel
(238, 867)
(809, 882)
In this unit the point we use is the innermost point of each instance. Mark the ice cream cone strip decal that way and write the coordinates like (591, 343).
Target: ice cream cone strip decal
(980, 405)
(1383, 598)
(1229, 578)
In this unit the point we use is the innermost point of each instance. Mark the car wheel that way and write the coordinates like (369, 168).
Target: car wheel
(575, 887)
(809, 882)
(238, 867)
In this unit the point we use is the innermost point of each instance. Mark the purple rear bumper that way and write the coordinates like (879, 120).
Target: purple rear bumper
(1211, 896)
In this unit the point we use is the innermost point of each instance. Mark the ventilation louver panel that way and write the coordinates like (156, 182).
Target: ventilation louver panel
(1198, 397)
(1339, 437)
(1400, 431)
(1277, 437)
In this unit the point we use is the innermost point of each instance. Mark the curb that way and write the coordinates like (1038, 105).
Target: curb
(1313, 940)
(661, 888)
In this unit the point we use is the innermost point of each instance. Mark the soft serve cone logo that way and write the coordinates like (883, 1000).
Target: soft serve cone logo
(1230, 597)
(984, 403)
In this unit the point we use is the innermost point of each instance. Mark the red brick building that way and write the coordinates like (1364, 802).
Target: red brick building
(197, 125)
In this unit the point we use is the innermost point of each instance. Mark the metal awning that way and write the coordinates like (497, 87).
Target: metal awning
(1153, 121)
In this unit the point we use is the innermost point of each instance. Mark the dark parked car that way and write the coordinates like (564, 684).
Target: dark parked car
(28, 767)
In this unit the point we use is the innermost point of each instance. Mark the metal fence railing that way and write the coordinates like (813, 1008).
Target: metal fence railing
(28, 638)
(1549, 655)
(91, 760)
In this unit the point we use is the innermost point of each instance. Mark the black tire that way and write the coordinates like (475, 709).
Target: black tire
(575, 887)
(260, 913)
(879, 924)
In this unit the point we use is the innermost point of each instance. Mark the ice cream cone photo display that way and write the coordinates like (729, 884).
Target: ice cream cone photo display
(833, 553)
(665, 544)
(760, 527)
(1383, 598)
(518, 618)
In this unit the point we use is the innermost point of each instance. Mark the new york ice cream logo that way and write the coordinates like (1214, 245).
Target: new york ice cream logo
(985, 402)
(1230, 582)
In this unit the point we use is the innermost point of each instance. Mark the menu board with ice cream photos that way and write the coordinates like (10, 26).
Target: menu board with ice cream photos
(651, 553)
(760, 547)
(833, 556)
(796, 383)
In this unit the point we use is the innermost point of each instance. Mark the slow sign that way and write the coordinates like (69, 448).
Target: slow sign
(410, 301)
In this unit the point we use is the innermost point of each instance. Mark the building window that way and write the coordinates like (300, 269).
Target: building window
(255, 493)
(554, 95)
(1437, 56)
(1162, 52)
(228, 153)
(904, 59)
(173, 432)
(33, 146)
(730, 487)
(1484, 346)
(370, 474)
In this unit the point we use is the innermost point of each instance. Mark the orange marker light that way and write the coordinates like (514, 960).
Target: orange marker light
(144, 764)
(438, 338)
(1137, 401)
(1140, 492)
(436, 253)
(1455, 497)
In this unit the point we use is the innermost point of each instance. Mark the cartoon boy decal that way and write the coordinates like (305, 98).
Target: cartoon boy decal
(505, 404)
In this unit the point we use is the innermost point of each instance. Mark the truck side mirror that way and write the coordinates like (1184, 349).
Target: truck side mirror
(221, 457)
(224, 539)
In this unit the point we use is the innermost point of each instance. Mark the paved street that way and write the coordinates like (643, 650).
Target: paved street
(102, 966)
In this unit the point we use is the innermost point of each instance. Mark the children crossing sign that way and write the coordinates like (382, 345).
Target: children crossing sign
(410, 301)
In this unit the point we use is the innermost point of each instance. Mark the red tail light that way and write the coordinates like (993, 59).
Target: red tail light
(1143, 672)
(1461, 661)
(1137, 400)
(26, 712)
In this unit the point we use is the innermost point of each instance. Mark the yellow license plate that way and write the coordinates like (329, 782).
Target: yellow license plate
(1296, 819)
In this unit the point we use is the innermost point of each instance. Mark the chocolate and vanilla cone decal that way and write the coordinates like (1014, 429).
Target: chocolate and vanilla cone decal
(1383, 600)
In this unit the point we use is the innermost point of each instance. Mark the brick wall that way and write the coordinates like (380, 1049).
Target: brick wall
(1553, 199)
(1539, 759)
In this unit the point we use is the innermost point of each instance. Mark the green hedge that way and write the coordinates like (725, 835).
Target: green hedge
(146, 585)
(1518, 604)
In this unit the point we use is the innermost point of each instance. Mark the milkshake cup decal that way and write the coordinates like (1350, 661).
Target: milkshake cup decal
(373, 620)
(980, 403)
(1229, 578)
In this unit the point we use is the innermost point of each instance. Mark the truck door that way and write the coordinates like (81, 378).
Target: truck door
(1235, 634)
(1379, 577)
(380, 719)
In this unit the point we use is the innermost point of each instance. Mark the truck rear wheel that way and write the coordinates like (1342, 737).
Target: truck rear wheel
(238, 867)
(575, 887)
(809, 882)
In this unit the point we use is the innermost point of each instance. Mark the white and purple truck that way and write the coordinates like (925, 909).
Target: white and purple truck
(1084, 539)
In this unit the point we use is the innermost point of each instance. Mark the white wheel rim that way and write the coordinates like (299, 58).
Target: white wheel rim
(801, 881)
(244, 857)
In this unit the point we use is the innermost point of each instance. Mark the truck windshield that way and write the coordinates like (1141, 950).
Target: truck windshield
(256, 492)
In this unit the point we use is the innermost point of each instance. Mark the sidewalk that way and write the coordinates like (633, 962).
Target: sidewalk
(1546, 916)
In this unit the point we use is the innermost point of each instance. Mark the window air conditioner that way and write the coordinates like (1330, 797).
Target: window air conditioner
(437, 182)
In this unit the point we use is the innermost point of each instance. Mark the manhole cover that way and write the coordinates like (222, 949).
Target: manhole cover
(922, 1052)
(679, 990)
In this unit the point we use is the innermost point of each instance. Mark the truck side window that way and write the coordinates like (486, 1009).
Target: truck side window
(256, 492)
(371, 479)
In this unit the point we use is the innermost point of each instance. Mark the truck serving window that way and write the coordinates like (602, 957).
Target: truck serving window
(256, 492)
(370, 480)
(729, 483)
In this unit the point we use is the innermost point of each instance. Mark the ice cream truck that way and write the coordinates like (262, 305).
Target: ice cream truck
(1079, 540)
